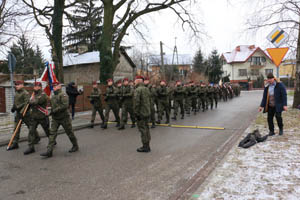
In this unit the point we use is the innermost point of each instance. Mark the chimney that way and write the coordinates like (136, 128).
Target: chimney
(251, 47)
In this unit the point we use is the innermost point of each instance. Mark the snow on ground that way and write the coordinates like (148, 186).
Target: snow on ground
(268, 170)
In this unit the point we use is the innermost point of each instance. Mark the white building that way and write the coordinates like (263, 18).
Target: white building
(247, 62)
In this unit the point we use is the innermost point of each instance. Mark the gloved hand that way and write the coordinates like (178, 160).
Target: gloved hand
(12, 110)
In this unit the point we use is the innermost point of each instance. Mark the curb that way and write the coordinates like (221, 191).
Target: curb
(191, 186)
(75, 128)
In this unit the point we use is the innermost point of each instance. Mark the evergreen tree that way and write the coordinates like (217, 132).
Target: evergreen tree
(214, 67)
(28, 59)
(199, 63)
(86, 24)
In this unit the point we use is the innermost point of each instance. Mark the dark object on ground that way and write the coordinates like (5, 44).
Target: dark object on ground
(252, 138)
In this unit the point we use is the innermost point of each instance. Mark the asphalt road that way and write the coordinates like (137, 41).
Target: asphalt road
(108, 166)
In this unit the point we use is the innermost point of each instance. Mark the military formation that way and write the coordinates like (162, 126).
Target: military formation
(144, 102)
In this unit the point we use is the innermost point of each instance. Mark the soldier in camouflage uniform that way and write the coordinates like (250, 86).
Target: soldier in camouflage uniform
(60, 116)
(111, 98)
(202, 96)
(187, 100)
(127, 104)
(119, 94)
(216, 94)
(179, 93)
(152, 90)
(95, 99)
(163, 102)
(142, 111)
(210, 96)
(39, 115)
(20, 101)
(194, 95)
(224, 92)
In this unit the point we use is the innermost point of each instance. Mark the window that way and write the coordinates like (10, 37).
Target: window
(242, 72)
(268, 71)
(263, 59)
(256, 60)
(254, 72)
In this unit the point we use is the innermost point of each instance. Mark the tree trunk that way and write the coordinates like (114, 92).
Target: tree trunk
(296, 102)
(105, 43)
(57, 21)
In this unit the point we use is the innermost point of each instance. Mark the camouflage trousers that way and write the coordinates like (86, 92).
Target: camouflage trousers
(188, 104)
(115, 108)
(27, 121)
(67, 125)
(163, 106)
(210, 100)
(127, 107)
(33, 126)
(94, 112)
(142, 124)
(152, 112)
(194, 103)
(178, 103)
(201, 103)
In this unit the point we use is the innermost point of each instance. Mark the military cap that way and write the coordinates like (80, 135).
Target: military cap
(147, 78)
(178, 81)
(163, 81)
(125, 79)
(37, 83)
(19, 82)
(139, 77)
(109, 80)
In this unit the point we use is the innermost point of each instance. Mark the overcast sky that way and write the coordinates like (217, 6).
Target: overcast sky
(224, 23)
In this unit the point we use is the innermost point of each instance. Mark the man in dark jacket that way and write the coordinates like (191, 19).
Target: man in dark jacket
(72, 92)
(274, 102)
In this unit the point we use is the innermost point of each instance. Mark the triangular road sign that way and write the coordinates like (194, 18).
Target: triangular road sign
(277, 54)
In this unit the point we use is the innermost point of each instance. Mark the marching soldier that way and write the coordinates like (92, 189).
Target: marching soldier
(152, 90)
(188, 100)
(179, 93)
(119, 94)
(60, 116)
(163, 102)
(142, 111)
(216, 94)
(95, 99)
(210, 96)
(193, 92)
(111, 98)
(127, 104)
(39, 115)
(202, 96)
(20, 101)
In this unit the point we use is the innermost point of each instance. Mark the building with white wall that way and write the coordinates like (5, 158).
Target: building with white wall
(246, 63)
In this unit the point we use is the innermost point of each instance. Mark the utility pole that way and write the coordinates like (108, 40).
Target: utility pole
(173, 64)
(162, 58)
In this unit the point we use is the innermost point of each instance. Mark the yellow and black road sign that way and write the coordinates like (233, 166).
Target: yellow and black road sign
(277, 37)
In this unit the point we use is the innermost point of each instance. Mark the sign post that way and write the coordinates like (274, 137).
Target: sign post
(11, 65)
(277, 37)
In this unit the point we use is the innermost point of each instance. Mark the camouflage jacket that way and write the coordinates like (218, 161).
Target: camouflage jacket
(112, 94)
(193, 91)
(162, 93)
(127, 93)
(21, 99)
(59, 105)
(95, 97)
(179, 92)
(202, 92)
(38, 105)
(142, 101)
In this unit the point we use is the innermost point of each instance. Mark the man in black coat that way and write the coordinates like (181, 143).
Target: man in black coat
(274, 102)
(72, 93)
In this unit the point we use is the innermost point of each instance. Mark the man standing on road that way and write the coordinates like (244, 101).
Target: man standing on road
(274, 102)
(179, 92)
(20, 101)
(142, 111)
(60, 116)
(95, 99)
(72, 93)
(39, 115)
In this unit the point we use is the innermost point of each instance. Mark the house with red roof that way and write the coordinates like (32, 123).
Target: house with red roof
(247, 62)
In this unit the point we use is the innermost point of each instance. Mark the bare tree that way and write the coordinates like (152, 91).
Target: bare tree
(285, 13)
(50, 17)
(116, 20)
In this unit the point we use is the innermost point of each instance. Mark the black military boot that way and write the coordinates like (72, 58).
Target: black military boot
(74, 149)
(216, 105)
(29, 151)
(281, 131)
(104, 126)
(158, 121)
(133, 125)
(167, 121)
(92, 125)
(13, 146)
(47, 154)
(153, 125)
(144, 148)
(118, 124)
(174, 118)
(121, 127)
(182, 116)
